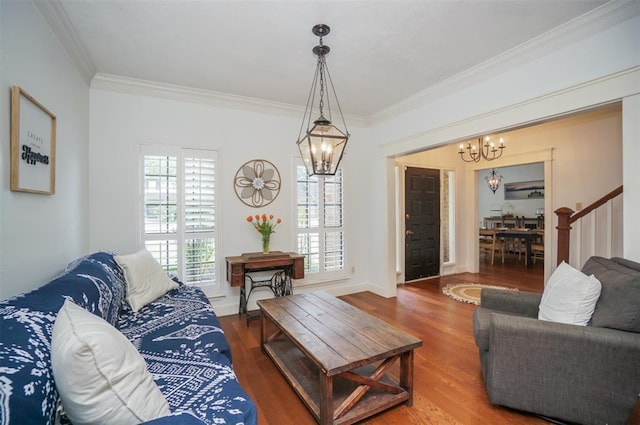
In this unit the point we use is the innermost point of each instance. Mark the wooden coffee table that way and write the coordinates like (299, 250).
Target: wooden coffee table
(338, 359)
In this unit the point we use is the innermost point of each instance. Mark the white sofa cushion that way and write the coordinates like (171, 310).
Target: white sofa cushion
(100, 376)
(146, 280)
(570, 296)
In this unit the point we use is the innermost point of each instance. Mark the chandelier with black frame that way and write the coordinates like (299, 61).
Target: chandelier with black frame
(322, 144)
(485, 148)
(493, 180)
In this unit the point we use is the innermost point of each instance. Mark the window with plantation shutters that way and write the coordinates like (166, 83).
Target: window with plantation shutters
(179, 212)
(320, 221)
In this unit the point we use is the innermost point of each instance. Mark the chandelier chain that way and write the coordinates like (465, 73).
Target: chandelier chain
(335, 96)
(321, 82)
(323, 143)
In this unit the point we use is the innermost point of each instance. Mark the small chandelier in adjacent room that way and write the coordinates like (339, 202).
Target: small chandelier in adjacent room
(322, 145)
(493, 180)
(487, 150)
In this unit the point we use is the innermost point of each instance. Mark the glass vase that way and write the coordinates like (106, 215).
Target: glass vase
(265, 243)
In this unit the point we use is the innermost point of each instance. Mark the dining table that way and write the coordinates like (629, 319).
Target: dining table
(527, 234)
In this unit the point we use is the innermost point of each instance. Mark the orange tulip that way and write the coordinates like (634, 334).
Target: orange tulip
(264, 223)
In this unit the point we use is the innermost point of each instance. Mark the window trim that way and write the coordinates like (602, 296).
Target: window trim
(321, 277)
(181, 152)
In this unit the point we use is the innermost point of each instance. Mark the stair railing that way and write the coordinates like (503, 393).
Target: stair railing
(566, 217)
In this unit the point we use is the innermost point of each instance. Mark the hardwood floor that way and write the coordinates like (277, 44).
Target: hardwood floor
(448, 382)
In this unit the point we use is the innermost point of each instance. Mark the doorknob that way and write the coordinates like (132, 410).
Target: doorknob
(409, 232)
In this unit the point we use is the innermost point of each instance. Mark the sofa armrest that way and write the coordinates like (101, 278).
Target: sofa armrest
(518, 302)
(178, 419)
(589, 374)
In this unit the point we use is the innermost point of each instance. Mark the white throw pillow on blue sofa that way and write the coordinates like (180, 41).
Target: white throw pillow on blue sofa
(146, 280)
(570, 296)
(100, 376)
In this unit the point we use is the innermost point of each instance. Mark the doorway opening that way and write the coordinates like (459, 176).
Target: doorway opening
(564, 145)
(517, 205)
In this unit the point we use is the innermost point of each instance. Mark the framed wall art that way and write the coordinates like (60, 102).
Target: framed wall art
(257, 183)
(524, 190)
(33, 145)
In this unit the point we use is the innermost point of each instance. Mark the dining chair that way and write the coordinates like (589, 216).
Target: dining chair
(489, 243)
(517, 246)
(537, 247)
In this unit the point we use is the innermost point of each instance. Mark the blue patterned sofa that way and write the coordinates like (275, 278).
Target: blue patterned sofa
(178, 335)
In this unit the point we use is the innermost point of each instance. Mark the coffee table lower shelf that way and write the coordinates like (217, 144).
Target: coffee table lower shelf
(305, 377)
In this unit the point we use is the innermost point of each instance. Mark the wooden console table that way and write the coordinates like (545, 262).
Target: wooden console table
(287, 265)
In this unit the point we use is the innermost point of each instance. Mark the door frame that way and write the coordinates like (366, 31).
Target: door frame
(545, 156)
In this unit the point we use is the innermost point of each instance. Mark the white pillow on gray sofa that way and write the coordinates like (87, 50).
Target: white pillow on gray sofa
(570, 296)
(146, 280)
(100, 376)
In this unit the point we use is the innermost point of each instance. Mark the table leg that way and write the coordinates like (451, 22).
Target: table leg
(529, 252)
(406, 374)
(326, 399)
(263, 330)
(242, 308)
(288, 286)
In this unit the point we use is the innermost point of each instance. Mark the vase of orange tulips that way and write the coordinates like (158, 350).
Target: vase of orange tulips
(265, 225)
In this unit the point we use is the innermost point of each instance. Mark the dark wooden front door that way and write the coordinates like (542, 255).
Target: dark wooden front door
(422, 223)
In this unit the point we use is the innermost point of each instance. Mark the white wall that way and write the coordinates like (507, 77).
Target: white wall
(631, 172)
(120, 122)
(41, 233)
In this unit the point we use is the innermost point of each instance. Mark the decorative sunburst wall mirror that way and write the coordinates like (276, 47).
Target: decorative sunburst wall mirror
(257, 183)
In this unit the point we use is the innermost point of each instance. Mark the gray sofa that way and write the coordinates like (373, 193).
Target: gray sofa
(581, 374)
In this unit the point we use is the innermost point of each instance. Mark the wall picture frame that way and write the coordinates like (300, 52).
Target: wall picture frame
(33, 145)
(524, 190)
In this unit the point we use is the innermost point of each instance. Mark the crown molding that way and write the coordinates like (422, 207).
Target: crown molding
(53, 12)
(55, 15)
(127, 85)
(598, 92)
(603, 17)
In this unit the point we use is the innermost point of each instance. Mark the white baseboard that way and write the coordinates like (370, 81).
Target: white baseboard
(230, 306)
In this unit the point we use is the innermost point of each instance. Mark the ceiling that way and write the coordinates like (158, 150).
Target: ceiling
(382, 51)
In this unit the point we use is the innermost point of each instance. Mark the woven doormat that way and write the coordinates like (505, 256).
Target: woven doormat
(469, 292)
